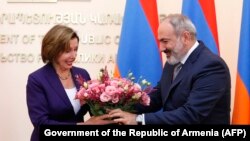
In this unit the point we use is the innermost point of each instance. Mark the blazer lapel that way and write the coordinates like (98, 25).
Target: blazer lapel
(183, 72)
(57, 85)
(167, 81)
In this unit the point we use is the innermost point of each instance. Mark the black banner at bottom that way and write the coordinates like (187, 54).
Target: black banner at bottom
(231, 132)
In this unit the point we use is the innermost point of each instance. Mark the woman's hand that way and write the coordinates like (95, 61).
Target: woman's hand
(98, 120)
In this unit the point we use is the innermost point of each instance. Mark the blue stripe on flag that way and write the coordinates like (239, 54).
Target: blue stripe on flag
(138, 51)
(192, 9)
(244, 50)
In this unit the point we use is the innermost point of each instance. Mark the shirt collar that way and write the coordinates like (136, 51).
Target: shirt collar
(184, 59)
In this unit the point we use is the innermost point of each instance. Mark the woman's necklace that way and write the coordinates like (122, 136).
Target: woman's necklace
(64, 78)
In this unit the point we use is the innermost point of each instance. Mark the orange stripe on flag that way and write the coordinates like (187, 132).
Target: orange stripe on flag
(241, 113)
(116, 72)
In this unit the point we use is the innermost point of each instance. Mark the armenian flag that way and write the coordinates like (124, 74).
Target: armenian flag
(241, 111)
(138, 50)
(202, 13)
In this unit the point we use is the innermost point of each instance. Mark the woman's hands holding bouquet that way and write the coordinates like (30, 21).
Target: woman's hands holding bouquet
(98, 120)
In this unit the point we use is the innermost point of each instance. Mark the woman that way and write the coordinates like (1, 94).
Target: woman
(51, 89)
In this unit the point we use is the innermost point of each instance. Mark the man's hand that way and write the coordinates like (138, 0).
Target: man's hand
(122, 117)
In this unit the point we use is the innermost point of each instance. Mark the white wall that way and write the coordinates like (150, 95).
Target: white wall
(14, 120)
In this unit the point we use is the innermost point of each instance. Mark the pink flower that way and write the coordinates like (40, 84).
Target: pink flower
(115, 99)
(104, 97)
(145, 100)
(110, 90)
(109, 93)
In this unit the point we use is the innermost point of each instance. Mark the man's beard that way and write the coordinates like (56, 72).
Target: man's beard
(176, 54)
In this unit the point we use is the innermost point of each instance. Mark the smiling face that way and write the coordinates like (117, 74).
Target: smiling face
(170, 44)
(176, 35)
(66, 59)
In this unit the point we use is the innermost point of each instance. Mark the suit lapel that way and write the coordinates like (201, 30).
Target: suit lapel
(167, 81)
(183, 72)
(56, 85)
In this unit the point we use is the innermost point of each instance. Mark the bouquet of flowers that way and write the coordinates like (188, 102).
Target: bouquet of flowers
(110, 93)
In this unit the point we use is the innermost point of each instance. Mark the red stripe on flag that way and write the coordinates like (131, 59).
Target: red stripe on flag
(208, 8)
(152, 17)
